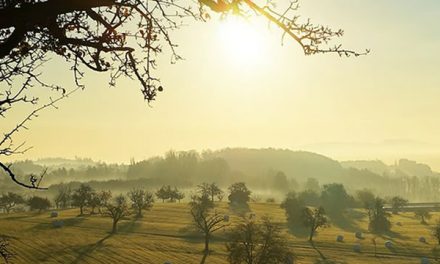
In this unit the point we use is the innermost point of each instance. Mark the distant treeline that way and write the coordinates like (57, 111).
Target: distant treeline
(267, 170)
(183, 168)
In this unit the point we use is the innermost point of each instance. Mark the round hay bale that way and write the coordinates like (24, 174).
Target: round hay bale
(226, 218)
(359, 235)
(424, 261)
(340, 238)
(422, 239)
(58, 224)
(388, 244)
(357, 248)
(54, 214)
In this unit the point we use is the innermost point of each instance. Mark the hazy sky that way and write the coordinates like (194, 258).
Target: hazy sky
(238, 87)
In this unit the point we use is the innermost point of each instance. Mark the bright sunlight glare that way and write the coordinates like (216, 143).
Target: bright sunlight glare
(242, 42)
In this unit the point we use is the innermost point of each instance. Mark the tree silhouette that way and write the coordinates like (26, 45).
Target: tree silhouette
(141, 200)
(252, 242)
(335, 198)
(63, 197)
(293, 206)
(397, 203)
(167, 193)
(125, 33)
(211, 190)
(423, 214)
(175, 194)
(98, 200)
(38, 203)
(82, 196)
(206, 221)
(121, 37)
(378, 217)
(239, 194)
(117, 210)
(314, 219)
(10, 200)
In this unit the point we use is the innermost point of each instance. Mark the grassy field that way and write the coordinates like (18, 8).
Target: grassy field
(165, 234)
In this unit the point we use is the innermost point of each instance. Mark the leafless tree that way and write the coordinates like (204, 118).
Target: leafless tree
(121, 37)
(117, 210)
(63, 197)
(141, 200)
(314, 219)
(10, 200)
(104, 198)
(212, 190)
(7, 146)
(423, 214)
(82, 196)
(98, 200)
(258, 243)
(206, 220)
(397, 203)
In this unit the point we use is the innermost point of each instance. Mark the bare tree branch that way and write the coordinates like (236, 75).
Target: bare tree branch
(121, 37)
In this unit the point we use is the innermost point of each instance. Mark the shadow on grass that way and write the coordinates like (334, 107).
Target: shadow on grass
(7, 236)
(205, 255)
(188, 230)
(317, 250)
(195, 237)
(86, 250)
(298, 230)
(348, 221)
(400, 248)
(323, 259)
(17, 217)
(66, 223)
(239, 209)
(129, 226)
(391, 235)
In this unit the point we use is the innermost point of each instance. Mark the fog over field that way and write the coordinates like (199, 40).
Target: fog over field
(219, 131)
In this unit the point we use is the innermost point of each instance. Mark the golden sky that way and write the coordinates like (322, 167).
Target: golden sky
(238, 87)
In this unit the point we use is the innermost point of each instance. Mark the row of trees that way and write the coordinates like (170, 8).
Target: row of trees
(101, 202)
(420, 188)
(249, 241)
(261, 242)
(83, 197)
(170, 194)
(308, 208)
(10, 201)
(86, 197)
(138, 201)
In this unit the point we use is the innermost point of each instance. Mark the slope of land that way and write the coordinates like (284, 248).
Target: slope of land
(166, 234)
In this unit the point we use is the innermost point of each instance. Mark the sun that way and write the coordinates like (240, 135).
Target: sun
(241, 41)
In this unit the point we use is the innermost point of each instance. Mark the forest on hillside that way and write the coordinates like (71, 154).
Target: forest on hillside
(265, 170)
